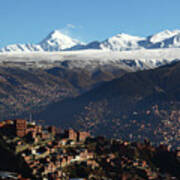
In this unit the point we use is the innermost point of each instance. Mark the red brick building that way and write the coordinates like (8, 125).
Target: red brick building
(21, 127)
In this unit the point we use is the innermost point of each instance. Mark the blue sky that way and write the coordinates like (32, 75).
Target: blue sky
(30, 21)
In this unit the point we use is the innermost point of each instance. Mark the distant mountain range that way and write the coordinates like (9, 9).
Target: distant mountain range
(56, 41)
(122, 51)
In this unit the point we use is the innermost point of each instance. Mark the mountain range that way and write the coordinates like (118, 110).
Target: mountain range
(125, 86)
(57, 41)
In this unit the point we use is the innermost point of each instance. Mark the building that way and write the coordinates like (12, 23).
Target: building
(38, 129)
(45, 134)
(52, 130)
(71, 134)
(83, 135)
(21, 127)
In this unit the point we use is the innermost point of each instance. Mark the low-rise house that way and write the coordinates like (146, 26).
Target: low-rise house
(83, 135)
(38, 129)
(52, 130)
(90, 155)
(71, 134)
(83, 156)
(45, 134)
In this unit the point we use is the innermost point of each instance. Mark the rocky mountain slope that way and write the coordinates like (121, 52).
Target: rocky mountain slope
(30, 90)
(136, 106)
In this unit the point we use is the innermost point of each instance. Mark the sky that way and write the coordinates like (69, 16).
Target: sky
(30, 21)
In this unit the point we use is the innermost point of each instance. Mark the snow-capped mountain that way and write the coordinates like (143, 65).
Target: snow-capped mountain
(165, 39)
(121, 42)
(55, 41)
(124, 42)
(22, 48)
(173, 42)
(122, 51)
(159, 37)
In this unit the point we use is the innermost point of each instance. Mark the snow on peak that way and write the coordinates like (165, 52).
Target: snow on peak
(173, 42)
(161, 36)
(127, 36)
(57, 41)
(121, 42)
(21, 48)
(57, 35)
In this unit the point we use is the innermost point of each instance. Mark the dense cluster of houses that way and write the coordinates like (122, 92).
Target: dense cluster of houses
(48, 151)
(45, 149)
(22, 127)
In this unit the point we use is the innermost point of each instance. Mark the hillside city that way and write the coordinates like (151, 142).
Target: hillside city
(48, 152)
(102, 114)
(89, 90)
